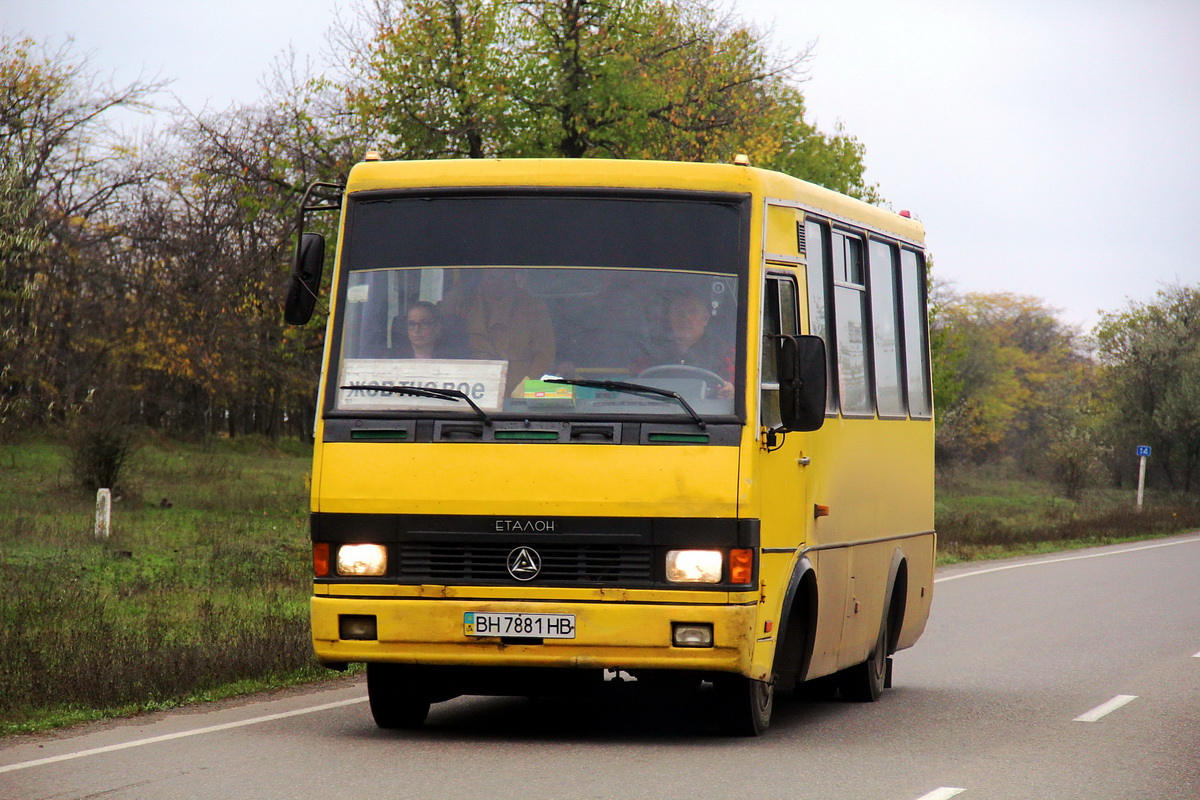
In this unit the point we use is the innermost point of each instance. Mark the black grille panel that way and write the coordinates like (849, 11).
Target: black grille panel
(475, 562)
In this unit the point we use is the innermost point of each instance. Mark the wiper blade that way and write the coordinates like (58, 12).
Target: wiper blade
(633, 388)
(424, 391)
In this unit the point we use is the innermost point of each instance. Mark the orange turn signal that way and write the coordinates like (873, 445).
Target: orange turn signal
(741, 566)
(820, 510)
(321, 559)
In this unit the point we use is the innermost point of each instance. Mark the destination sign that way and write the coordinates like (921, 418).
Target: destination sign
(482, 381)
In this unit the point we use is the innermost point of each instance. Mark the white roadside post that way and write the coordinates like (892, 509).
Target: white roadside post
(1143, 452)
(103, 512)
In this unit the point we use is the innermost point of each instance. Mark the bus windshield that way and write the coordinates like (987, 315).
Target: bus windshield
(591, 290)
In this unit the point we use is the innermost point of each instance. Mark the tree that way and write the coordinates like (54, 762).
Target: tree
(644, 79)
(585, 78)
(212, 345)
(433, 78)
(64, 179)
(1008, 371)
(152, 288)
(1151, 354)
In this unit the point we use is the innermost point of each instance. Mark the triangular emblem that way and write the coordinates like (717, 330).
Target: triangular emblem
(524, 564)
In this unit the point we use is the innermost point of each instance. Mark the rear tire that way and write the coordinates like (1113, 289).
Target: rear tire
(863, 683)
(397, 701)
(743, 705)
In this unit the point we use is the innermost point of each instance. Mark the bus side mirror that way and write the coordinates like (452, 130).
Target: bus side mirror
(802, 382)
(306, 279)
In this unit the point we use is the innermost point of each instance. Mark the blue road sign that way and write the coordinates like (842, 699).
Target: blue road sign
(1143, 450)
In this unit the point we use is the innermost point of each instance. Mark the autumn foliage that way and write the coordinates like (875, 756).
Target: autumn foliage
(147, 272)
(1014, 384)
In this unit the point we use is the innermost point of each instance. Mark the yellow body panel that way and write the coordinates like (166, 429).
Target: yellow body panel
(527, 479)
(780, 233)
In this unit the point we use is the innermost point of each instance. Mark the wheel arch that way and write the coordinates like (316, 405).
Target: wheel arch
(896, 598)
(798, 625)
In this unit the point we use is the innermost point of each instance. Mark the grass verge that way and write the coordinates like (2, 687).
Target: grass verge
(200, 591)
(988, 513)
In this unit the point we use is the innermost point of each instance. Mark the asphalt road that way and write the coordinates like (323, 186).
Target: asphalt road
(1067, 676)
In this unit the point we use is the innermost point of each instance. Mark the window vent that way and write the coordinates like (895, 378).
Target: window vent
(800, 238)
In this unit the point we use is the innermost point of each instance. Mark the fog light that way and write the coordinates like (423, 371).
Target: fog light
(691, 634)
(694, 566)
(362, 559)
(357, 626)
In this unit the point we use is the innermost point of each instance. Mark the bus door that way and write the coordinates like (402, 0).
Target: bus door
(782, 475)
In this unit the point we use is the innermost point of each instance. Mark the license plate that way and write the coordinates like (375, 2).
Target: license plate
(529, 626)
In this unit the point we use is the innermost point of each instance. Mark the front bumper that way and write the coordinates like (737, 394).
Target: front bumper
(609, 635)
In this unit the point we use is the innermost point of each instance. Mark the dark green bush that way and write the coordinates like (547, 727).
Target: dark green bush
(101, 442)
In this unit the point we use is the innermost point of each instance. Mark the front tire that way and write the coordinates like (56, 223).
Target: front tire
(397, 701)
(743, 705)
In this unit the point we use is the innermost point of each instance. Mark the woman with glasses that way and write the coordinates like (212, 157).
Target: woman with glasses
(426, 335)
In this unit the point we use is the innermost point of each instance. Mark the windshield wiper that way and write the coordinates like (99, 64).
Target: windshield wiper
(424, 391)
(632, 388)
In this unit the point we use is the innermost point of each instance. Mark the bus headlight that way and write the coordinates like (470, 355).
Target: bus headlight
(694, 566)
(362, 559)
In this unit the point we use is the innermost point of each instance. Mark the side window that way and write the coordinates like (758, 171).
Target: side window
(818, 301)
(850, 315)
(780, 316)
(916, 343)
(886, 357)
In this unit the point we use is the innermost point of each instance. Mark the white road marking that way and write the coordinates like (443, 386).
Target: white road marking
(1106, 708)
(955, 577)
(180, 735)
(944, 793)
(1196, 656)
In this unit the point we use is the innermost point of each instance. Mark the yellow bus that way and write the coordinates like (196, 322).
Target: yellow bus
(586, 420)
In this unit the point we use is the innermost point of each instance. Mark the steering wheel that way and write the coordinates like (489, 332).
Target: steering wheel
(711, 379)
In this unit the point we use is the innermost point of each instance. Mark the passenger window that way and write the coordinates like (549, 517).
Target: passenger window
(887, 355)
(818, 303)
(850, 307)
(916, 344)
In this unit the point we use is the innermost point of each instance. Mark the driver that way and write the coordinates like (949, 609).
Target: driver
(689, 341)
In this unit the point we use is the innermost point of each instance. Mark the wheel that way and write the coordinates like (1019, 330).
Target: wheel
(711, 379)
(863, 683)
(743, 705)
(395, 702)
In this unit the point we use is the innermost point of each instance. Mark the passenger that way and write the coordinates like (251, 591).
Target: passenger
(690, 342)
(425, 335)
(506, 323)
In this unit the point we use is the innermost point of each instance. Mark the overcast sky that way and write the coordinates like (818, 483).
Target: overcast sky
(1051, 147)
